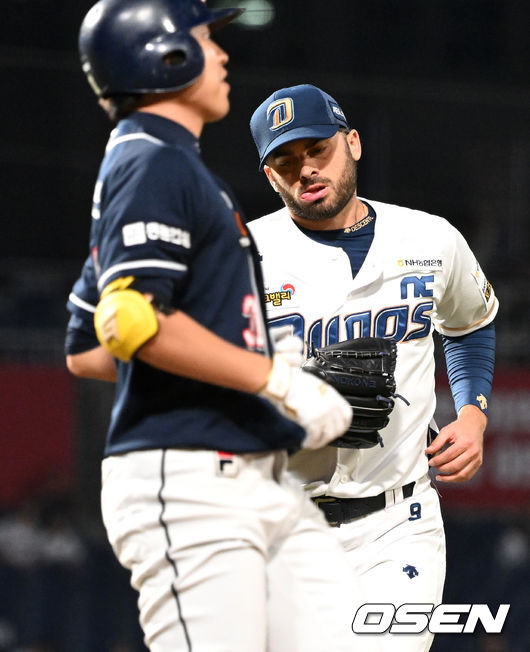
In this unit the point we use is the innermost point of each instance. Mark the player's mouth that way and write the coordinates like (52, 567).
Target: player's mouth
(314, 192)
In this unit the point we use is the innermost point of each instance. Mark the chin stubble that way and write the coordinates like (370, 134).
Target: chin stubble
(345, 189)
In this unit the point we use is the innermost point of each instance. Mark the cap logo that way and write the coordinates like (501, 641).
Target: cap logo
(282, 112)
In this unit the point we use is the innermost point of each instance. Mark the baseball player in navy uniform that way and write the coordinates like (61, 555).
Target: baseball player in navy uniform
(337, 266)
(227, 553)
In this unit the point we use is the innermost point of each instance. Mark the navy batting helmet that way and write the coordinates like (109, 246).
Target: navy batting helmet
(145, 46)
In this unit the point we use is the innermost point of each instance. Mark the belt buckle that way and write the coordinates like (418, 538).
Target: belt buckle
(323, 499)
(326, 499)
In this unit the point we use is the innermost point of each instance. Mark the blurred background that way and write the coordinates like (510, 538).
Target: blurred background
(439, 92)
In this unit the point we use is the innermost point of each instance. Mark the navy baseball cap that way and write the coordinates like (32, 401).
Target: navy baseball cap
(292, 113)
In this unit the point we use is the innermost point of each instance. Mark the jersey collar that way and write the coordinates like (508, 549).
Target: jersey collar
(166, 130)
(307, 247)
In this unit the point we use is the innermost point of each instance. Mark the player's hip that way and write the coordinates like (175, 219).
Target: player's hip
(413, 510)
(222, 495)
(341, 511)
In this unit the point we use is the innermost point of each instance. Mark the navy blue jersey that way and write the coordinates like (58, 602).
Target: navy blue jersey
(82, 302)
(161, 216)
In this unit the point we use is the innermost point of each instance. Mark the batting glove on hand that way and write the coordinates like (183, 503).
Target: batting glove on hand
(290, 346)
(307, 400)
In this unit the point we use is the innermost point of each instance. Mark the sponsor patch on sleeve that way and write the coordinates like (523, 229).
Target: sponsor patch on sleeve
(483, 284)
(137, 233)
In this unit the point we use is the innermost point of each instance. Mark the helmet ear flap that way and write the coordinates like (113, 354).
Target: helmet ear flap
(180, 63)
(175, 58)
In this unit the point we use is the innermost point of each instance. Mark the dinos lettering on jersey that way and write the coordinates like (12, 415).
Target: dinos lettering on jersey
(402, 323)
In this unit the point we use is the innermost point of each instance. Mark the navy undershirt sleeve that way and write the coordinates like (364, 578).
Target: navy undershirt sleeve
(470, 361)
(80, 335)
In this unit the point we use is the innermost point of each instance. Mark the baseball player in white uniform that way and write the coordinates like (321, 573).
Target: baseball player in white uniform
(337, 266)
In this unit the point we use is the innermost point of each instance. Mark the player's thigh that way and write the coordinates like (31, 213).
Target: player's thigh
(219, 606)
(394, 581)
(399, 555)
(416, 552)
(192, 545)
(313, 591)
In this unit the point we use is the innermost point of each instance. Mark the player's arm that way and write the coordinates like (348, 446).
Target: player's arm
(184, 347)
(94, 363)
(457, 451)
(85, 357)
(131, 324)
(179, 348)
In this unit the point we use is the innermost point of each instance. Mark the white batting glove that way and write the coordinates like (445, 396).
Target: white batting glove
(290, 346)
(308, 400)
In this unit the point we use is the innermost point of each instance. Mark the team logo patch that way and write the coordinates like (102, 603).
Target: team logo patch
(226, 464)
(482, 401)
(411, 571)
(282, 113)
(284, 294)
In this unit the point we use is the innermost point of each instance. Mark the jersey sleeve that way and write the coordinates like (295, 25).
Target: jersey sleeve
(468, 301)
(148, 224)
(470, 362)
(81, 305)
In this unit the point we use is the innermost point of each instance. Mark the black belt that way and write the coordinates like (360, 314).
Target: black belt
(343, 510)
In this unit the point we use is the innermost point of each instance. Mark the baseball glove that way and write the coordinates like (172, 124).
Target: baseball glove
(362, 370)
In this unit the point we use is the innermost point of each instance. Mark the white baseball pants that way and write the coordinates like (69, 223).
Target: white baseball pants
(398, 554)
(226, 554)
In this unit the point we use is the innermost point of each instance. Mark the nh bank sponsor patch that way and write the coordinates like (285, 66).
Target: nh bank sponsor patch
(420, 262)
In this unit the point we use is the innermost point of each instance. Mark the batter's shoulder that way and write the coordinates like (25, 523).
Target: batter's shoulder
(167, 159)
(146, 164)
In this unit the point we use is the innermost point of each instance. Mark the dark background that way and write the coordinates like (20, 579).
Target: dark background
(439, 92)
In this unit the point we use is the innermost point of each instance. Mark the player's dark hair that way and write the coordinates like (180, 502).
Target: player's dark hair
(120, 105)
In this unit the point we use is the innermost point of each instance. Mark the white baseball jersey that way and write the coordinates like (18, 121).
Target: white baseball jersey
(418, 275)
